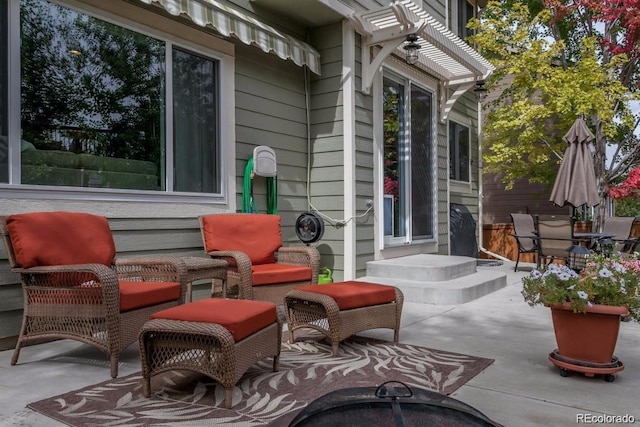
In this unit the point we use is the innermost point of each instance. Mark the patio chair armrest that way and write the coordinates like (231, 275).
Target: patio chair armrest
(71, 278)
(568, 239)
(101, 273)
(304, 256)
(240, 263)
(531, 236)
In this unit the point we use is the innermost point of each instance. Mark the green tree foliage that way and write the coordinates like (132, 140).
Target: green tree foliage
(556, 61)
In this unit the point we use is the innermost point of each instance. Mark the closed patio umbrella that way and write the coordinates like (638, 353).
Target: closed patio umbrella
(575, 184)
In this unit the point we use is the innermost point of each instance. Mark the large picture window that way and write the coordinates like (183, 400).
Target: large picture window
(458, 152)
(104, 106)
(408, 161)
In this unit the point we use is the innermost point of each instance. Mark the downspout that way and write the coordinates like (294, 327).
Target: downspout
(481, 248)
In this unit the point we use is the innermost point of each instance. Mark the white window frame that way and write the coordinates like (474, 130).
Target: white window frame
(466, 122)
(146, 23)
(454, 14)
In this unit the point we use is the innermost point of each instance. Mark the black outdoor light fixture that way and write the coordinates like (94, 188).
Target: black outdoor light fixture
(480, 90)
(578, 254)
(606, 246)
(412, 49)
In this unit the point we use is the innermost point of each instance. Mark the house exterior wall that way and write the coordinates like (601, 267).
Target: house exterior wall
(327, 175)
(269, 108)
(464, 111)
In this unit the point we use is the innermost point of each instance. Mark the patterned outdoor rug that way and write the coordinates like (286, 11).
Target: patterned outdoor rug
(262, 397)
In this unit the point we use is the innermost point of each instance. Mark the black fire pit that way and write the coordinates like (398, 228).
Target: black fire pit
(391, 404)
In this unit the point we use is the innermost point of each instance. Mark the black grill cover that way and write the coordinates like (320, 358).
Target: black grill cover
(360, 406)
(463, 232)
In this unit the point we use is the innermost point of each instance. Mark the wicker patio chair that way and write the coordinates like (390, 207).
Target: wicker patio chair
(74, 288)
(621, 227)
(523, 226)
(259, 266)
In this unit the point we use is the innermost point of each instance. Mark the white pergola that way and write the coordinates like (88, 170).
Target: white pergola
(442, 53)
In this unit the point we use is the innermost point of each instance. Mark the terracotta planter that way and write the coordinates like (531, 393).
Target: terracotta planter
(589, 337)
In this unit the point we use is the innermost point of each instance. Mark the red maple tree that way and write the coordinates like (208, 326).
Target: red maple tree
(629, 189)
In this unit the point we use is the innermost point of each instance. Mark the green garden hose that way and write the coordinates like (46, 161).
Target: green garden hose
(248, 201)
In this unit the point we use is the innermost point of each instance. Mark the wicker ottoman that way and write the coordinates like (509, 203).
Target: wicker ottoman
(339, 310)
(219, 338)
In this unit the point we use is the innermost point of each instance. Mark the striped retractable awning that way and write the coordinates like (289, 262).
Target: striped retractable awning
(229, 21)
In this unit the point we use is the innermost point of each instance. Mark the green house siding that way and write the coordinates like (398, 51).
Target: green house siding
(327, 148)
(270, 109)
(466, 107)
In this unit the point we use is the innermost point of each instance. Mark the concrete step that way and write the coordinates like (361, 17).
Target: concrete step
(423, 267)
(436, 279)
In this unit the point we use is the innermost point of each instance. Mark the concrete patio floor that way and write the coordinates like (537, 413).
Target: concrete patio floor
(521, 388)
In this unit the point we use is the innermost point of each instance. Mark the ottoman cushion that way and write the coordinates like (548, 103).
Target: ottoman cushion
(240, 317)
(354, 294)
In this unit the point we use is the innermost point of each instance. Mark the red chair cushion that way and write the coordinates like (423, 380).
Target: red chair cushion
(257, 235)
(134, 295)
(60, 238)
(269, 274)
(354, 294)
(240, 317)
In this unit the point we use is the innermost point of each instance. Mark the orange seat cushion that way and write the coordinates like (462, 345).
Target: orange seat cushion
(60, 238)
(269, 274)
(257, 235)
(240, 317)
(135, 295)
(354, 294)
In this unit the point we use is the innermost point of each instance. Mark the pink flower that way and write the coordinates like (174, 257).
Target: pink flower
(391, 187)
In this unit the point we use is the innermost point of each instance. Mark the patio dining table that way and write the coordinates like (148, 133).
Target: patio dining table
(591, 239)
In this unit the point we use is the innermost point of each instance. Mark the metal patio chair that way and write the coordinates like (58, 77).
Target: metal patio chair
(555, 239)
(523, 226)
(620, 227)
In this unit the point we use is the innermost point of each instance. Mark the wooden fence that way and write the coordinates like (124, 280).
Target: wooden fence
(496, 239)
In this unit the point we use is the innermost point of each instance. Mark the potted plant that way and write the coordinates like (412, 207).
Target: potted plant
(586, 309)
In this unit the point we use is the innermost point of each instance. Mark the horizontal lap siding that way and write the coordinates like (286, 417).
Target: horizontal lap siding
(327, 135)
(365, 242)
(442, 192)
(270, 110)
(466, 106)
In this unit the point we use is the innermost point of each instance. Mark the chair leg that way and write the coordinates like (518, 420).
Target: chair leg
(16, 351)
(517, 261)
(115, 358)
(334, 348)
(228, 397)
(146, 386)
